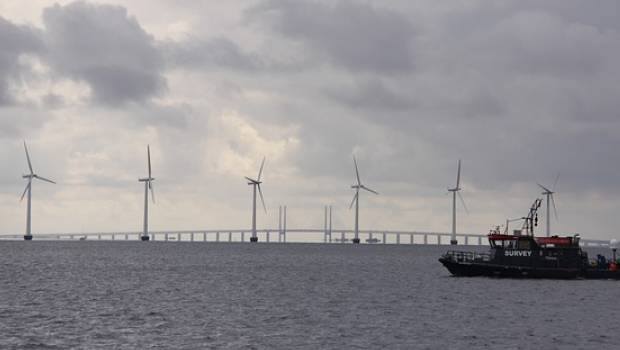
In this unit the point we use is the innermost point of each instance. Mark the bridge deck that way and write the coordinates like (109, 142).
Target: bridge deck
(281, 236)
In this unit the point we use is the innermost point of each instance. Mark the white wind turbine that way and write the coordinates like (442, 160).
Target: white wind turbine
(550, 200)
(456, 191)
(32, 175)
(356, 201)
(256, 184)
(147, 186)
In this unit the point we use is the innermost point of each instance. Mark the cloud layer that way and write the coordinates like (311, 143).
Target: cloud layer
(520, 90)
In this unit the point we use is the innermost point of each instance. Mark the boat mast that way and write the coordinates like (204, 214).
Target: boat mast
(531, 221)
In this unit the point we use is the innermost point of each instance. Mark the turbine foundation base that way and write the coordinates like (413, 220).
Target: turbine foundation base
(28, 238)
(253, 239)
(355, 241)
(144, 238)
(454, 242)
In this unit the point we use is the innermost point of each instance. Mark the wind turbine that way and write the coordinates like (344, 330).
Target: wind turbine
(32, 175)
(256, 184)
(147, 186)
(456, 190)
(550, 200)
(356, 201)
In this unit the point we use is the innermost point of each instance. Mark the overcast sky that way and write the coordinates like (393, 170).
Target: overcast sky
(519, 90)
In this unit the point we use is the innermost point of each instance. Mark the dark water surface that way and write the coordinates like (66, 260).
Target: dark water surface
(134, 295)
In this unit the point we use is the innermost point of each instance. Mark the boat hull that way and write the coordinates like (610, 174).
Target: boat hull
(473, 269)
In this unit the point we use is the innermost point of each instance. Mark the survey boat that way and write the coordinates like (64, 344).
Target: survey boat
(522, 255)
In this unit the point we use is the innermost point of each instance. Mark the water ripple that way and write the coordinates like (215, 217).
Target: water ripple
(131, 295)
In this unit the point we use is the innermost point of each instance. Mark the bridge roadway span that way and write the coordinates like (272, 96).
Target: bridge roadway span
(279, 236)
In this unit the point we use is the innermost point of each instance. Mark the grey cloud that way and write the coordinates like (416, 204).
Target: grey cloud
(518, 92)
(518, 89)
(372, 94)
(217, 52)
(539, 43)
(603, 16)
(15, 121)
(179, 116)
(221, 53)
(355, 36)
(53, 101)
(522, 37)
(106, 48)
(15, 40)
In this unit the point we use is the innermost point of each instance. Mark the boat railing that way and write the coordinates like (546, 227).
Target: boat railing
(460, 256)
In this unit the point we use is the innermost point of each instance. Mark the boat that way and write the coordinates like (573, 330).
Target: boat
(373, 240)
(523, 255)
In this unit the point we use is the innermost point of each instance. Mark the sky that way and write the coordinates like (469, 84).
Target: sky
(520, 91)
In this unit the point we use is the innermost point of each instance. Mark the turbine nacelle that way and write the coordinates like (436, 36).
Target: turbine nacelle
(546, 190)
(252, 181)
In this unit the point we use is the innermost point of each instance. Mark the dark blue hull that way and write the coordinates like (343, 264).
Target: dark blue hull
(472, 269)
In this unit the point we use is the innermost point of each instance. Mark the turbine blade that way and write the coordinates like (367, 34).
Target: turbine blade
(43, 179)
(369, 190)
(463, 202)
(357, 172)
(260, 192)
(260, 172)
(353, 201)
(25, 190)
(148, 154)
(28, 158)
(544, 188)
(251, 180)
(458, 175)
(556, 181)
(555, 210)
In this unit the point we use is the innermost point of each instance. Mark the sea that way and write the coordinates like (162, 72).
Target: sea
(182, 295)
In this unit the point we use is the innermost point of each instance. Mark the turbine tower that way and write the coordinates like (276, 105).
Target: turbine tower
(256, 184)
(356, 201)
(550, 200)
(32, 175)
(456, 191)
(148, 185)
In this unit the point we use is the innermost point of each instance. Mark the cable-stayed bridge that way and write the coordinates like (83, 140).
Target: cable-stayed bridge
(282, 236)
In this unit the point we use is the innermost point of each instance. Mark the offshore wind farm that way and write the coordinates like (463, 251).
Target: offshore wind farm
(302, 234)
(309, 174)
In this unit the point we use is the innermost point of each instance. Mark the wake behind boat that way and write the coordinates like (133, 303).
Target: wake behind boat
(527, 256)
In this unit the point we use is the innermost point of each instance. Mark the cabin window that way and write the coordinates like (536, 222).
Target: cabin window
(504, 243)
(524, 244)
(510, 244)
